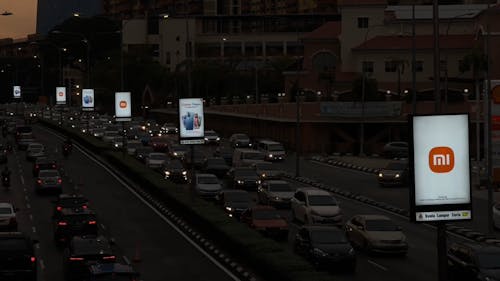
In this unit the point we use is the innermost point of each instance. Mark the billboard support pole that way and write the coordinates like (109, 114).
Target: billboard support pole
(441, 251)
(192, 185)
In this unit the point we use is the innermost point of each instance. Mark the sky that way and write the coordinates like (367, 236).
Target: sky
(23, 20)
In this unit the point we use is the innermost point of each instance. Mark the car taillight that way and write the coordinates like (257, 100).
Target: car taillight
(39, 181)
(84, 207)
(37, 167)
(109, 258)
(76, 259)
(53, 166)
(63, 223)
(33, 259)
(59, 180)
(92, 222)
(58, 208)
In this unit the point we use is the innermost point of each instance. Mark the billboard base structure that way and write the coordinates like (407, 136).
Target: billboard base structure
(123, 119)
(194, 141)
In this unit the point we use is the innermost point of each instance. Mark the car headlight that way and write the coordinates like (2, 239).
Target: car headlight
(217, 139)
(167, 173)
(380, 175)
(206, 139)
(229, 209)
(319, 252)
(270, 156)
(239, 181)
(175, 153)
(249, 144)
(184, 172)
(263, 175)
(396, 176)
(257, 181)
(351, 251)
(116, 145)
(277, 198)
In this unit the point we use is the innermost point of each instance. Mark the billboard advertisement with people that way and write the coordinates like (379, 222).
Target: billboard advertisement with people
(191, 120)
(88, 99)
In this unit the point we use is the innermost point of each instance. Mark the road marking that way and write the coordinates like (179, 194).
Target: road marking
(31, 217)
(103, 227)
(34, 229)
(28, 206)
(338, 167)
(377, 265)
(26, 198)
(25, 190)
(37, 246)
(127, 261)
(42, 264)
(22, 179)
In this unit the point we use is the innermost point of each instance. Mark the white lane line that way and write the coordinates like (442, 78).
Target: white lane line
(377, 265)
(28, 205)
(31, 217)
(103, 227)
(34, 229)
(22, 179)
(26, 198)
(127, 261)
(37, 246)
(42, 264)
(25, 190)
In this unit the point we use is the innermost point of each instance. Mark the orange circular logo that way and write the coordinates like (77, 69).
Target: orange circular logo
(61, 94)
(123, 104)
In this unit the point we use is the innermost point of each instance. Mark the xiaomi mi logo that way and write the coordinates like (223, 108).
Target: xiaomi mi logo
(123, 104)
(441, 159)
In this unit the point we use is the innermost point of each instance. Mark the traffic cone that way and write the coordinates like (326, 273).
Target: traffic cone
(137, 255)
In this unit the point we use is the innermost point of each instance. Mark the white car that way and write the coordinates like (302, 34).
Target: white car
(315, 206)
(156, 159)
(35, 150)
(207, 185)
(8, 219)
(211, 137)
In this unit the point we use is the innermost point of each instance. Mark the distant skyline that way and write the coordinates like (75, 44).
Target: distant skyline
(23, 20)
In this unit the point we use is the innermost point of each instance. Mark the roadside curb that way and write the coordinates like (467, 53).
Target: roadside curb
(343, 164)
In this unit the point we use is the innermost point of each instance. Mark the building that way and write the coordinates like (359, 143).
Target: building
(53, 12)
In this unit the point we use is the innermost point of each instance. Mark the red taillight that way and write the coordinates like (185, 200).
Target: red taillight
(59, 180)
(84, 206)
(63, 223)
(92, 222)
(109, 258)
(53, 166)
(76, 259)
(37, 167)
(33, 259)
(39, 181)
(59, 208)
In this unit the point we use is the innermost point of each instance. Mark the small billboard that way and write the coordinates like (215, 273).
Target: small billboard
(16, 92)
(440, 165)
(191, 121)
(123, 109)
(60, 95)
(88, 99)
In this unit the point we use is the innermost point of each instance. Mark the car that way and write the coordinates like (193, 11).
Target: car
(226, 153)
(394, 174)
(376, 233)
(98, 133)
(48, 180)
(83, 251)
(267, 171)
(245, 157)
(70, 201)
(174, 170)
(71, 222)
(326, 247)
(43, 163)
(395, 149)
(469, 261)
(216, 166)
(154, 130)
(110, 135)
(273, 151)
(234, 202)
(111, 272)
(132, 145)
(8, 221)
(23, 131)
(177, 151)
(315, 206)
(17, 257)
(496, 215)
(240, 140)
(266, 220)
(198, 159)
(141, 153)
(24, 140)
(277, 193)
(35, 150)
(117, 143)
(207, 185)
(243, 177)
(211, 137)
(159, 144)
(155, 160)
(169, 128)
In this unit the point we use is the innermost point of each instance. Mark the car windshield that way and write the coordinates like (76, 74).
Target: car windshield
(328, 237)
(210, 134)
(24, 129)
(73, 201)
(110, 134)
(211, 162)
(36, 146)
(237, 197)
(275, 147)
(396, 166)
(322, 200)
(5, 211)
(280, 187)
(48, 173)
(489, 260)
(175, 165)
(134, 145)
(265, 166)
(244, 173)
(241, 137)
(207, 180)
(381, 225)
(253, 156)
(265, 215)
(158, 156)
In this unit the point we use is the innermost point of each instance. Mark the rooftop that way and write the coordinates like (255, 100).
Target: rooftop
(394, 42)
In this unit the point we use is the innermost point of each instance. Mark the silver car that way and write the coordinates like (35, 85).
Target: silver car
(207, 185)
(35, 150)
(275, 192)
(156, 159)
(8, 219)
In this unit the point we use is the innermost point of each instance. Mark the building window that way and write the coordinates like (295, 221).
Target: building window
(391, 66)
(419, 66)
(362, 22)
(367, 66)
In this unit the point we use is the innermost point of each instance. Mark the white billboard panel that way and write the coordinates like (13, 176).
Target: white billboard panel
(191, 118)
(123, 106)
(60, 95)
(441, 165)
(16, 92)
(88, 99)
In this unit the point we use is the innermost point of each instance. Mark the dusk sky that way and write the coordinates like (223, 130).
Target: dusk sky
(23, 20)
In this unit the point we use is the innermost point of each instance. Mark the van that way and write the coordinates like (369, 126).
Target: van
(244, 157)
(273, 151)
